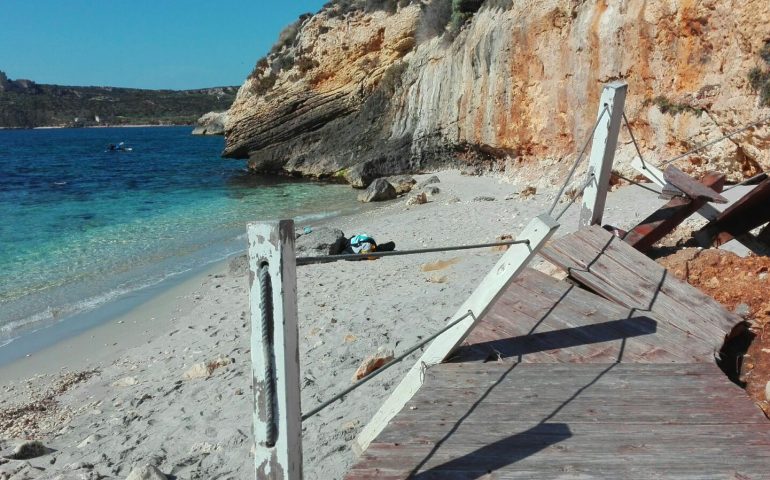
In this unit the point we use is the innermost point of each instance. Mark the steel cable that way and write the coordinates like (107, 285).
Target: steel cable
(577, 162)
(708, 144)
(386, 366)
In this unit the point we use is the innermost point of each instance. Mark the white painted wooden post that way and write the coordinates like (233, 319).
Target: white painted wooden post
(275, 352)
(513, 261)
(603, 152)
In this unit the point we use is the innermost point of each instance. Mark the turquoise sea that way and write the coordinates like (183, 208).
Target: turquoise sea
(81, 226)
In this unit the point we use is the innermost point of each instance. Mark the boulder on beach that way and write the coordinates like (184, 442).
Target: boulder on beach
(402, 183)
(360, 175)
(321, 241)
(378, 191)
(428, 181)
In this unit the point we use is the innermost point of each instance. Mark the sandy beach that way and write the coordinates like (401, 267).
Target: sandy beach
(168, 383)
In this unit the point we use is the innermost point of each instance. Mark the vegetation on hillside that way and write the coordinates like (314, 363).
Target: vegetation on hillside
(26, 104)
(759, 77)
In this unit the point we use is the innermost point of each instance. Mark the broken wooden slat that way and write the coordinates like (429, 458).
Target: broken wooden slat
(748, 213)
(664, 220)
(691, 187)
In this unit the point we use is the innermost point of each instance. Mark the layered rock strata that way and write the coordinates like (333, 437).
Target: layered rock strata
(362, 94)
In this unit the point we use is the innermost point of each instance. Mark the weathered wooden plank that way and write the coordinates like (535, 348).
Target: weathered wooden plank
(653, 174)
(537, 371)
(585, 339)
(664, 220)
(751, 211)
(406, 433)
(695, 303)
(664, 345)
(691, 187)
(657, 290)
(615, 281)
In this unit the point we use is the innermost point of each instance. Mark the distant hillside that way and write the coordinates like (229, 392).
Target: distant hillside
(26, 104)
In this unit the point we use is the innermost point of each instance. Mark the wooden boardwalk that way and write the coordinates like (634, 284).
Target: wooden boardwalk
(559, 382)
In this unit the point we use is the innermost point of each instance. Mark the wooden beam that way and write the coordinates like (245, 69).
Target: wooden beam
(751, 211)
(275, 351)
(691, 187)
(655, 175)
(664, 220)
(513, 261)
(605, 141)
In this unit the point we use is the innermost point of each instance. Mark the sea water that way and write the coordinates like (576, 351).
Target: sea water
(81, 225)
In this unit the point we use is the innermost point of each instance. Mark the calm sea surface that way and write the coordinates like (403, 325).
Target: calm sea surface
(80, 225)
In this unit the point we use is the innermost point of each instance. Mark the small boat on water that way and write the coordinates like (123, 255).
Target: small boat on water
(121, 147)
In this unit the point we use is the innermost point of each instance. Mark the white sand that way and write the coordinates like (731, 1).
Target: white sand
(137, 408)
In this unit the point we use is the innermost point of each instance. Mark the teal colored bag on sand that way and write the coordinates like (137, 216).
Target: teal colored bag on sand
(362, 244)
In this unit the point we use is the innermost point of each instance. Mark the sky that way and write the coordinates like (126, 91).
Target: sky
(177, 44)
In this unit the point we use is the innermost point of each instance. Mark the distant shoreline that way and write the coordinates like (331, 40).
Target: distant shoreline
(95, 126)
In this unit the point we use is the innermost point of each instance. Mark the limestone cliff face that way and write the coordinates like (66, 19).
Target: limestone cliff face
(515, 91)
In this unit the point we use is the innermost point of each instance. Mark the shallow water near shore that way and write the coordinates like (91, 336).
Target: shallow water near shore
(82, 226)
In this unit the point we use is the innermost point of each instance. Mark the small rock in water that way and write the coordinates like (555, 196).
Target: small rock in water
(484, 198)
(372, 363)
(146, 472)
(29, 449)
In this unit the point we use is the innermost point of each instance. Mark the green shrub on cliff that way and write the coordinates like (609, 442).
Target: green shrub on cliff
(462, 11)
(759, 78)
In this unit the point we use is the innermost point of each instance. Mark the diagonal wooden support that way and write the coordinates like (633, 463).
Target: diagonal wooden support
(691, 187)
(751, 211)
(655, 175)
(513, 261)
(664, 220)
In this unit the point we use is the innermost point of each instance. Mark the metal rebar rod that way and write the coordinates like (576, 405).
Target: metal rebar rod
(633, 139)
(755, 178)
(385, 367)
(577, 194)
(637, 183)
(375, 254)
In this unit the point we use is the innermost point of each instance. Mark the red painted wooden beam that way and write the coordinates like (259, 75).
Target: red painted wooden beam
(751, 211)
(664, 220)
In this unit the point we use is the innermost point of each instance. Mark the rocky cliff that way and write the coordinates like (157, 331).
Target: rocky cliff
(358, 91)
